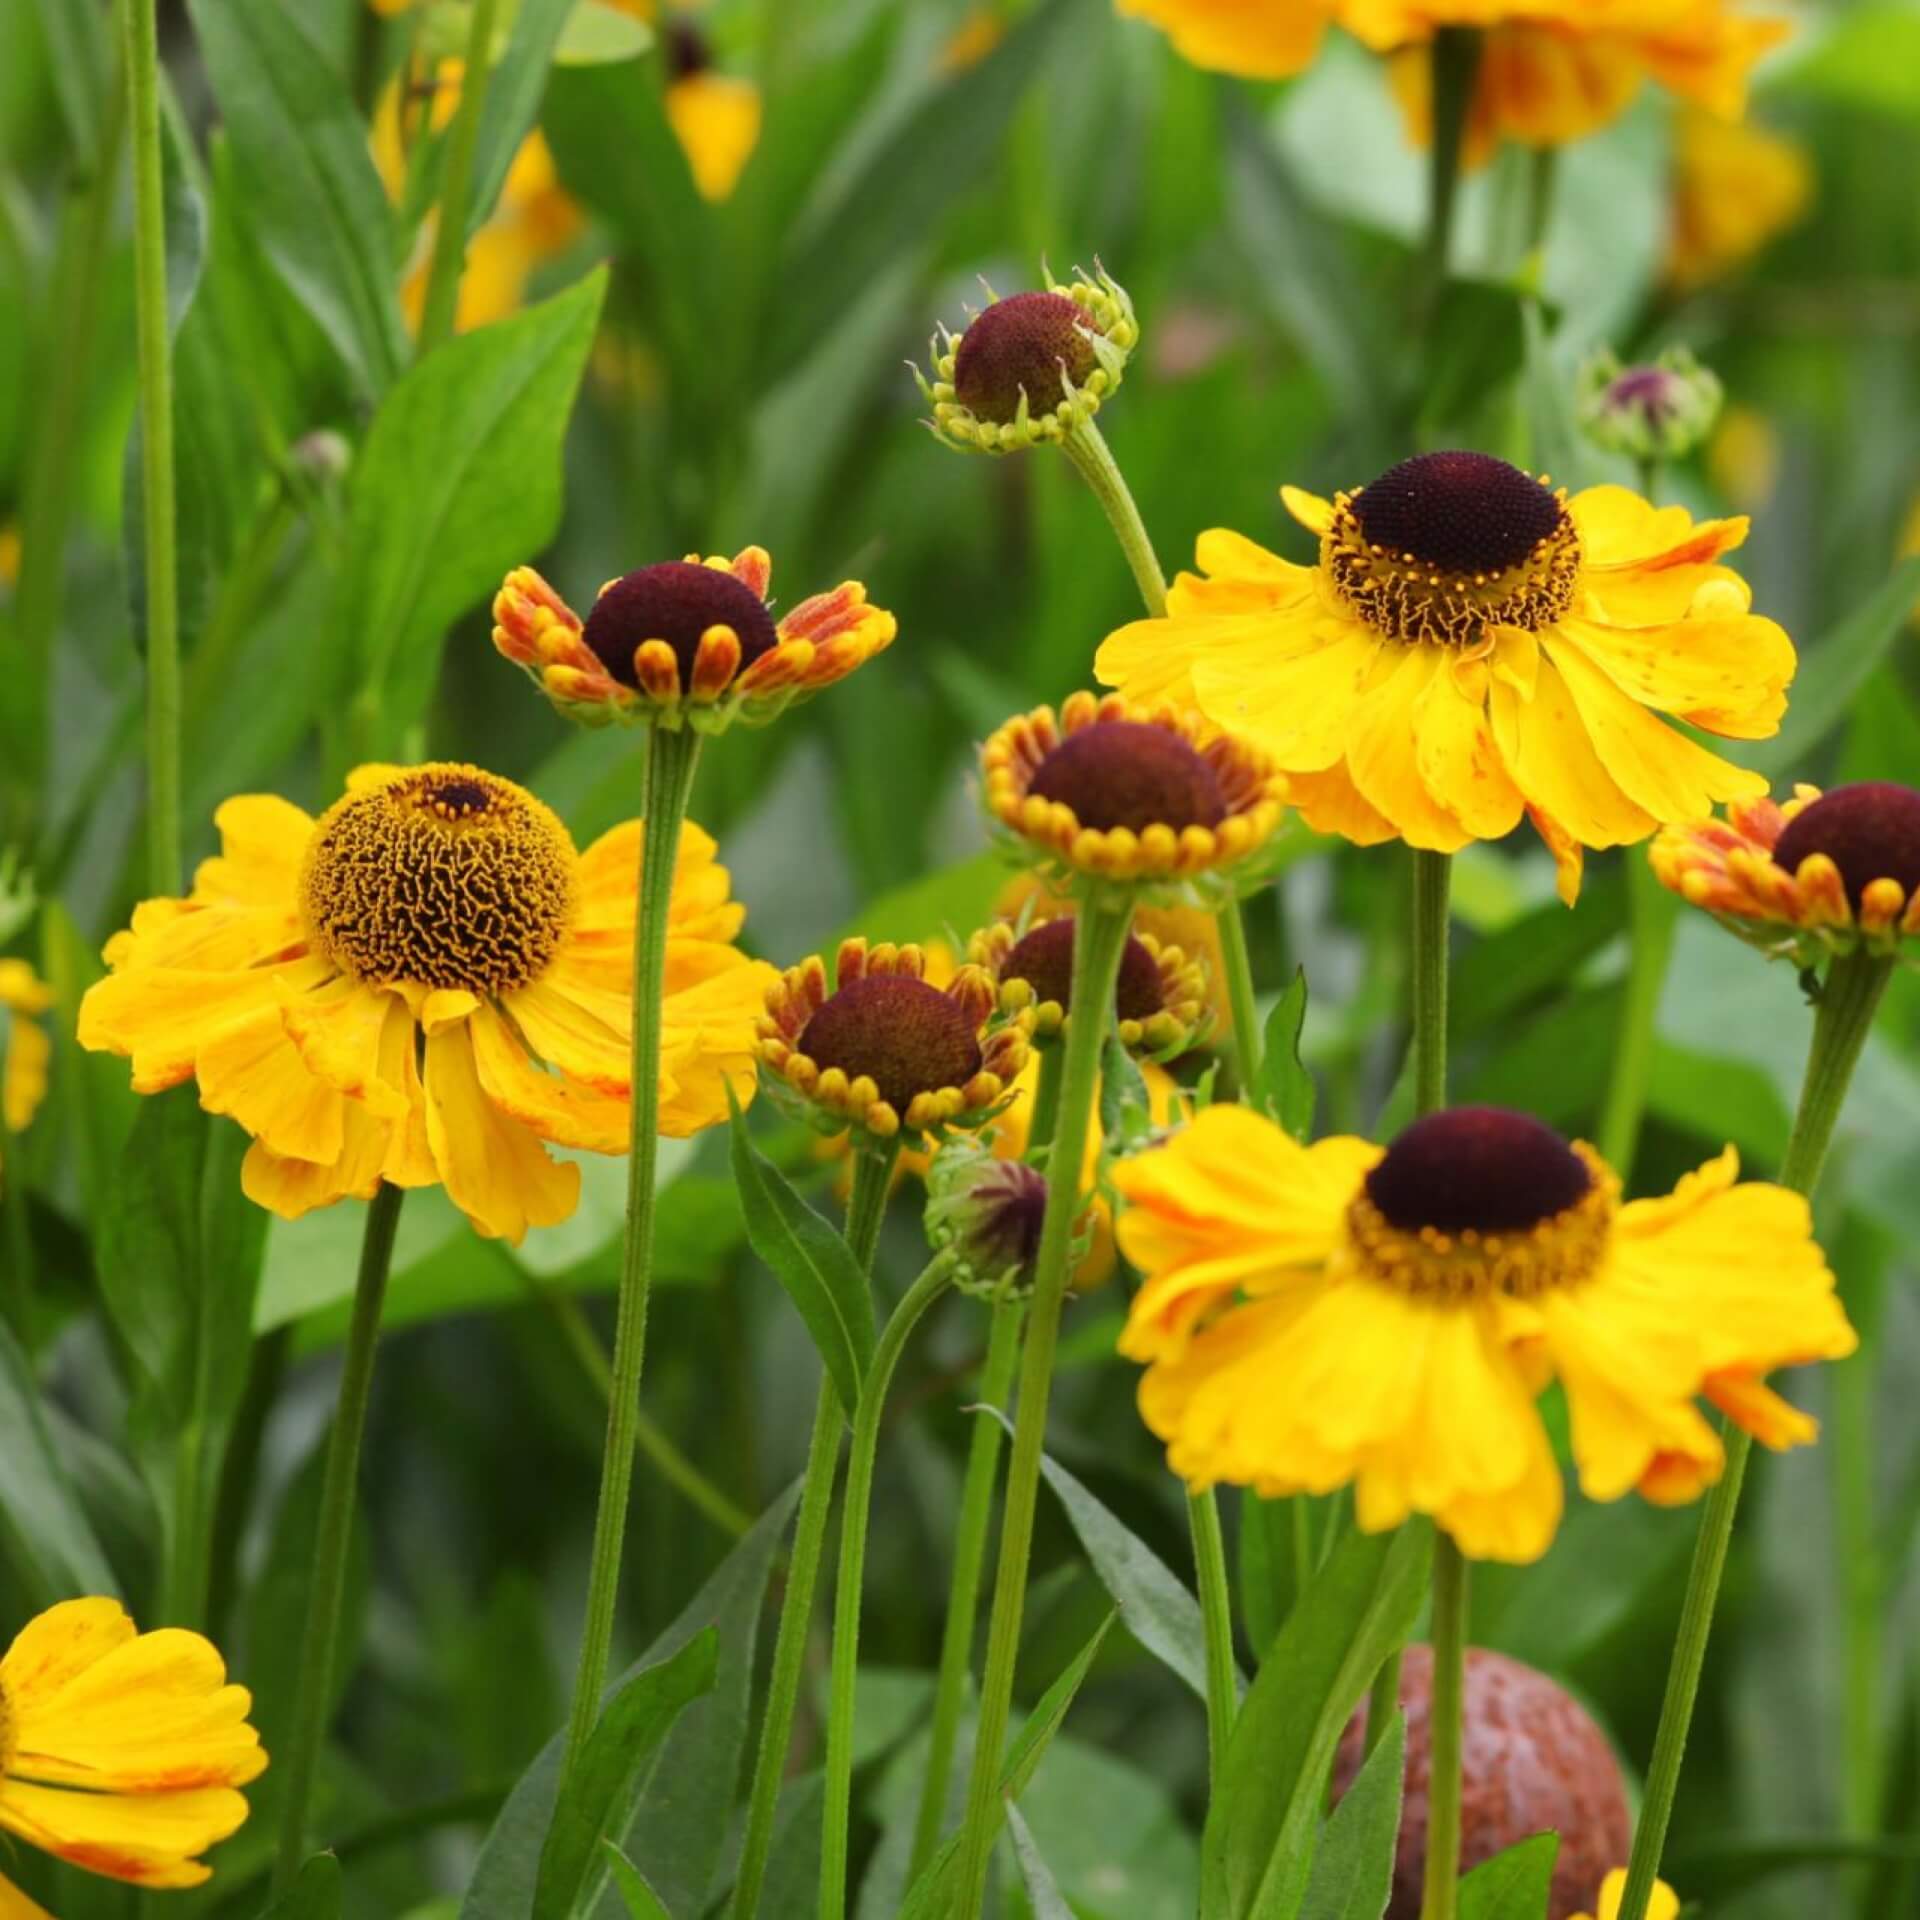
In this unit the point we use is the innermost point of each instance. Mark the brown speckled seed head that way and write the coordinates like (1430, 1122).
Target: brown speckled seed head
(1533, 1761)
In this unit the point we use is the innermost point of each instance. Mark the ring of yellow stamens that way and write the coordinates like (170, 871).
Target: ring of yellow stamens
(1407, 598)
(1521, 1263)
(439, 876)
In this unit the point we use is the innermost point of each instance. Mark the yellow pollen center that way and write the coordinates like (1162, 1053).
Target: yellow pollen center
(1455, 1268)
(442, 877)
(1406, 598)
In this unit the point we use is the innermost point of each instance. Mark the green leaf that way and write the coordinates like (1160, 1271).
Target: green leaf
(891, 205)
(642, 1902)
(1834, 669)
(597, 1800)
(1481, 347)
(1043, 1891)
(459, 480)
(314, 1895)
(314, 196)
(1539, 953)
(1126, 1112)
(1515, 1885)
(1726, 1868)
(1870, 59)
(1257, 1850)
(1285, 1087)
(811, 1260)
(1264, 1546)
(1155, 1605)
(1353, 1866)
(81, 67)
(512, 105)
(599, 35)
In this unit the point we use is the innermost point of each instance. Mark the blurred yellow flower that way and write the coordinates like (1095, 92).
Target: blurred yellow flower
(716, 118)
(1743, 457)
(1662, 1903)
(120, 1752)
(1334, 1314)
(10, 555)
(1734, 188)
(1260, 39)
(23, 995)
(422, 986)
(1474, 648)
(972, 40)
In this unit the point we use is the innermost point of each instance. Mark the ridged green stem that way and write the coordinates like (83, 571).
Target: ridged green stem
(1097, 946)
(969, 1561)
(866, 1208)
(1440, 1896)
(1455, 57)
(861, 1460)
(1216, 1620)
(1653, 913)
(1849, 998)
(442, 304)
(1093, 460)
(1238, 964)
(672, 757)
(299, 1762)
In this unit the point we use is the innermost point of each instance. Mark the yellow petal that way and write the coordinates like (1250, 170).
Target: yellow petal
(1291, 684)
(567, 1112)
(716, 119)
(14, 1905)
(338, 1030)
(1329, 802)
(28, 1052)
(708, 1045)
(51, 1649)
(22, 990)
(572, 1026)
(149, 1839)
(263, 840)
(1458, 760)
(1383, 756)
(290, 1188)
(1729, 676)
(1553, 762)
(254, 1074)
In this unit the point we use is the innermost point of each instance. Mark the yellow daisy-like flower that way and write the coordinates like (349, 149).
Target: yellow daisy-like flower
(1554, 71)
(1474, 646)
(1735, 187)
(687, 642)
(120, 1752)
(1824, 873)
(422, 986)
(23, 997)
(1160, 999)
(1662, 1903)
(1259, 39)
(1139, 795)
(1334, 1314)
(881, 1049)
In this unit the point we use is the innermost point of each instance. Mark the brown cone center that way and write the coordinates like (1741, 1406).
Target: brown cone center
(1044, 959)
(1479, 1169)
(676, 601)
(905, 1036)
(1125, 773)
(1022, 342)
(1457, 512)
(1870, 831)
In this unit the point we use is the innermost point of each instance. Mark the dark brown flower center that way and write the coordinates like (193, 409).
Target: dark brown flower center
(1870, 831)
(1477, 1169)
(676, 601)
(1044, 959)
(1022, 343)
(904, 1035)
(686, 49)
(1124, 773)
(1457, 512)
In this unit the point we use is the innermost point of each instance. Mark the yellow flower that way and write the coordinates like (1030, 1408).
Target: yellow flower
(23, 994)
(716, 119)
(881, 1049)
(1260, 39)
(1108, 790)
(1554, 71)
(688, 641)
(1825, 873)
(1470, 647)
(1734, 188)
(421, 987)
(1334, 1314)
(981, 29)
(1662, 1904)
(120, 1752)
(1744, 457)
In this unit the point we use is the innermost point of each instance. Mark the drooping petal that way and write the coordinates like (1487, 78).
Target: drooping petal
(263, 840)
(1554, 763)
(1382, 750)
(147, 1839)
(1729, 676)
(567, 1112)
(1298, 693)
(1458, 760)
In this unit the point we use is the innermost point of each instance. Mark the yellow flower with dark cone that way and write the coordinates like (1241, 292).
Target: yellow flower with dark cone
(121, 1753)
(24, 996)
(1825, 873)
(715, 116)
(1259, 39)
(686, 643)
(1144, 796)
(1474, 646)
(422, 986)
(1735, 188)
(1160, 1000)
(881, 1050)
(1662, 1903)
(1340, 1314)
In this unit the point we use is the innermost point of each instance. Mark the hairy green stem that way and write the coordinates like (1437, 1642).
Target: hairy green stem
(969, 1561)
(1046, 1103)
(299, 1763)
(441, 306)
(1097, 947)
(1087, 448)
(866, 1208)
(1849, 998)
(861, 1460)
(1238, 964)
(1441, 1893)
(1863, 1585)
(1455, 59)
(1653, 914)
(672, 756)
(1216, 1618)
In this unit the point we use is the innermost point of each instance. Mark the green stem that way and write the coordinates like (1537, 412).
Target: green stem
(866, 1208)
(1087, 449)
(1300, 1517)
(155, 355)
(1046, 1101)
(1440, 1896)
(852, 1577)
(1432, 880)
(17, 1295)
(1456, 62)
(969, 1561)
(672, 756)
(333, 1537)
(1849, 998)
(1096, 967)
(1543, 178)
(1863, 1591)
(1653, 914)
(1238, 965)
(441, 305)
(1216, 1617)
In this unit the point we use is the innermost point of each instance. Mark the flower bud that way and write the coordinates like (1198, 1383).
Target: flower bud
(1657, 411)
